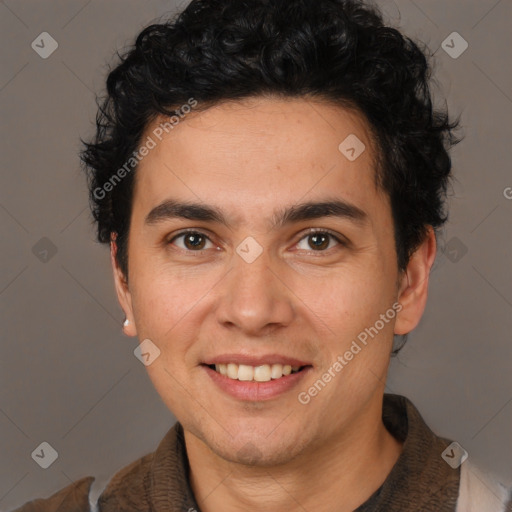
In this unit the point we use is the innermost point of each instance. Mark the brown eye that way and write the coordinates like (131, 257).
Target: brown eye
(319, 241)
(192, 240)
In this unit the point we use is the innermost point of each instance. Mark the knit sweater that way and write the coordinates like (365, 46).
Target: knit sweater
(420, 480)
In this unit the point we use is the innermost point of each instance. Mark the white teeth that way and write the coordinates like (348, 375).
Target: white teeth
(276, 371)
(262, 373)
(232, 372)
(245, 372)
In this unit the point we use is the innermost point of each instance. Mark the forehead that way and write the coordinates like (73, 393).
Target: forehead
(258, 152)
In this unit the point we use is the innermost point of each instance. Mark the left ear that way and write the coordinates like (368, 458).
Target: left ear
(413, 289)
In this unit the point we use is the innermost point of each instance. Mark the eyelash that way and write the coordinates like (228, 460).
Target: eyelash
(312, 231)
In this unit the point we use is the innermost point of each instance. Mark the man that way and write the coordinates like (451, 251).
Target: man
(270, 176)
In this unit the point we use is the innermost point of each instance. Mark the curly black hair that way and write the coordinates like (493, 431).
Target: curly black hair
(338, 51)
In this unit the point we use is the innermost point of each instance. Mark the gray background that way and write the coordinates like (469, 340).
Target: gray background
(68, 375)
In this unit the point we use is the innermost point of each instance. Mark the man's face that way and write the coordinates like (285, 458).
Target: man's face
(257, 292)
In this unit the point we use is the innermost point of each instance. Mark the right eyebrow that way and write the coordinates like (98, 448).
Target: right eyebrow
(171, 209)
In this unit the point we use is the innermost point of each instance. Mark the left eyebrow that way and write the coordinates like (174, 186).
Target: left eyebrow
(317, 210)
(170, 209)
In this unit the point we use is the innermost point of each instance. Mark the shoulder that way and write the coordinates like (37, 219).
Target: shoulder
(126, 489)
(482, 490)
(130, 488)
(73, 498)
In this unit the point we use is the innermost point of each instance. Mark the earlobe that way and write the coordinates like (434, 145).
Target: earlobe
(128, 329)
(413, 290)
(122, 290)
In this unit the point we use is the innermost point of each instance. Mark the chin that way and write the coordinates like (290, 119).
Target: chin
(257, 449)
(252, 439)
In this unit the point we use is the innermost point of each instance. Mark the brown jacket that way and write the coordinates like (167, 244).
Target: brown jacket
(158, 482)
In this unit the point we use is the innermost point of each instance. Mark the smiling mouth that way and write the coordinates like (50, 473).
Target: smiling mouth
(262, 373)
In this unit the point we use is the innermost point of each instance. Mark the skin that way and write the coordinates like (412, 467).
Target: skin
(249, 159)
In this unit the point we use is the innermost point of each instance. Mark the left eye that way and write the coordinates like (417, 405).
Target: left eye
(320, 240)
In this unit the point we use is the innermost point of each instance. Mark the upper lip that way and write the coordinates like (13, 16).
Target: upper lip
(255, 360)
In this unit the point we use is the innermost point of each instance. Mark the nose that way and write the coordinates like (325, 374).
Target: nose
(254, 297)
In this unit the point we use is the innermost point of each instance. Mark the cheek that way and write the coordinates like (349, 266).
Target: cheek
(164, 298)
(166, 305)
(347, 299)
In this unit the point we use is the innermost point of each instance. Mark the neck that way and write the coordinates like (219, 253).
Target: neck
(339, 474)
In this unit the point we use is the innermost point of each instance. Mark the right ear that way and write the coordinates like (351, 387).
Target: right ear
(123, 292)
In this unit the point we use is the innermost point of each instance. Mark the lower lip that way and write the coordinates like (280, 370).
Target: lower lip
(256, 391)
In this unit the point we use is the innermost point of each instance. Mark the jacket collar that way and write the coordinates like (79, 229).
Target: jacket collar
(420, 479)
(170, 484)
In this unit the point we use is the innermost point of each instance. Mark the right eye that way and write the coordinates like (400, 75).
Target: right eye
(193, 241)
